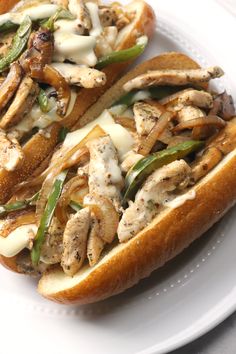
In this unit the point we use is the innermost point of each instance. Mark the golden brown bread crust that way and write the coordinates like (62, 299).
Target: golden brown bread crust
(154, 246)
(35, 151)
(41, 147)
(6, 5)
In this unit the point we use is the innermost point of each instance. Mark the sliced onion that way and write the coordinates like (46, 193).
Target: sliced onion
(173, 97)
(70, 187)
(70, 158)
(16, 220)
(127, 123)
(147, 143)
(64, 159)
(199, 122)
(178, 139)
(105, 214)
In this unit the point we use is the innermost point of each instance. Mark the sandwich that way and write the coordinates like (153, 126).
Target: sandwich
(146, 171)
(57, 58)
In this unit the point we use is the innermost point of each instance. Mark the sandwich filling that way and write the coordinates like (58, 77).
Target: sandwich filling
(49, 50)
(108, 180)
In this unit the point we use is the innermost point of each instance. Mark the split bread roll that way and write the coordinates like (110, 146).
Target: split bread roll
(169, 233)
(173, 229)
(38, 147)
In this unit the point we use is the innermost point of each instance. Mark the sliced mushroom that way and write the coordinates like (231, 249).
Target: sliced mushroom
(53, 78)
(80, 76)
(227, 108)
(75, 242)
(22, 103)
(39, 53)
(43, 43)
(157, 190)
(197, 98)
(78, 9)
(11, 154)
(95, 243)
(173, 77)
(10, 84)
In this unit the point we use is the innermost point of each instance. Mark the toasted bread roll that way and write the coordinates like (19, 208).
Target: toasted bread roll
(143, 23)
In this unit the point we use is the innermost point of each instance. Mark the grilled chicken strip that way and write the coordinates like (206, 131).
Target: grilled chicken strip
(52, 249)
(197, 98)
(78, 9)
(105, 177)
(157, 190)
(145, 116)
(80, 76)
(190, 112)
(10, 84)
(95, 243)
(22, 103)
(11, 154)
(75, 242)
(173, 77)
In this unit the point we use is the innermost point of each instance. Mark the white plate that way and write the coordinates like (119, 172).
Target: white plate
(190, 295)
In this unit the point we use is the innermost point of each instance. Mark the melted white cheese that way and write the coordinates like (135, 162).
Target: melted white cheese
(141, 95)
(39, 119)
(17, 240)
(69, 45)
(35, 13)
(94, 15)
(178, 201)
(120, 136)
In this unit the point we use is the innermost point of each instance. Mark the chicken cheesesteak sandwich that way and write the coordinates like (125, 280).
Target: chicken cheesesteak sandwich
(57, 58)
(145, 171)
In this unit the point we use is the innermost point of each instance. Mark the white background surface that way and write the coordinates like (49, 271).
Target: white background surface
(180, 302)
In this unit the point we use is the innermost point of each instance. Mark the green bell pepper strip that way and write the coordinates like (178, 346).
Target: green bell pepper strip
(59, 14)
(43, 101)
(8, 26)
(75, 206)
(123, 55)
(18, 44)
(147, 165)
(62, 134)
(18, 205)
(47, 217)
(157, 93)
